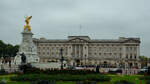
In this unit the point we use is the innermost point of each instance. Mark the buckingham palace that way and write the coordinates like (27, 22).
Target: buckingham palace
(84, 51)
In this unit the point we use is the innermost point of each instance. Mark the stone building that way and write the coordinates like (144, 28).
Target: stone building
(82, 50)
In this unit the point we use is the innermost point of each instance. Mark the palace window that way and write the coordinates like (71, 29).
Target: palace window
(99, 53)
(135, 56)
(127, 56)
(127, 48)
(130, 48)
(131, 56)
(120, 49)
(120, 54)
(110, 54)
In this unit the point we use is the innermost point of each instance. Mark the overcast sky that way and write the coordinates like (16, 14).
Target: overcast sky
(56, 19)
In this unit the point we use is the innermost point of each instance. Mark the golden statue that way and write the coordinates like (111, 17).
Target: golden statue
(27, 26)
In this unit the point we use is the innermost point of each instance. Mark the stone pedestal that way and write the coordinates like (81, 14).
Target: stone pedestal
(28, 48)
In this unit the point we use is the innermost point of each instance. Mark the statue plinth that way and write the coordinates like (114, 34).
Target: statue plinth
(27, 46)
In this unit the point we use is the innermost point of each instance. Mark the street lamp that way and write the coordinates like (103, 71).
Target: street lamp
(85, 60)
(62, 58)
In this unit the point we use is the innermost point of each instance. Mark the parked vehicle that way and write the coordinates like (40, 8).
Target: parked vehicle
(144, 69)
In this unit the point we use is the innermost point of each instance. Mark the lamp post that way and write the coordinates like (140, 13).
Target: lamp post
(85, 60)
(62, 58)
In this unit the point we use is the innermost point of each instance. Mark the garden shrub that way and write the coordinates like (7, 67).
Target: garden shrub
(56, 71)
(145, 78)
(3, 72)
(148, 82)
(123, 82)
(63, 77)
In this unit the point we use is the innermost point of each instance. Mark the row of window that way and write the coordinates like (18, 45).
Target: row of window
(52, 53)
(44, 44)
(47, 48)
(106, 49)
(131, 48)
(93, 48)
(90, 48)
(52, 45)
(58, 53)
(106, 54)
(131, 56)
(105, 45)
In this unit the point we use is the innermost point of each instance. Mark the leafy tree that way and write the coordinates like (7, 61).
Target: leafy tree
(15, 50)
(144, 60)
(8, 50)
(2, 48)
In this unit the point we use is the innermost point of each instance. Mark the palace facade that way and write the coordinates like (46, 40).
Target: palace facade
(82, 50)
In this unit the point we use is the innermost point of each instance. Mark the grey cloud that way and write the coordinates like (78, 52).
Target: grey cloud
(59, 18)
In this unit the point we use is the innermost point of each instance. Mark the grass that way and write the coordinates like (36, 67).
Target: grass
(132, 78)
(7, 79)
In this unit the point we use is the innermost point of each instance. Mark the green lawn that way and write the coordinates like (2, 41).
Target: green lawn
(6, 78)
(133, 78)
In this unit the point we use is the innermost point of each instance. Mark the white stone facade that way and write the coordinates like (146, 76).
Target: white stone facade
(81, 50)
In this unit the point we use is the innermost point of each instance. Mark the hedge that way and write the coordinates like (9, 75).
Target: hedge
(60, 77)
(56, 71)
(145, 78)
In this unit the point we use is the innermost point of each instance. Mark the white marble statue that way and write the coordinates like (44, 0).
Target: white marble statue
(27, 47)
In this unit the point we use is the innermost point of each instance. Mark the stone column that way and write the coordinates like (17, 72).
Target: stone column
(124, 51)
(69, 51)
(138, 52)
(79, 51)
(75, 51)
(85, 53)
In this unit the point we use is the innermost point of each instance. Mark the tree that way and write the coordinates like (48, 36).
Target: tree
(8, 50)
(2, 48)
(144, 61)
(143, 58)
